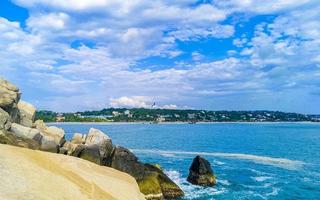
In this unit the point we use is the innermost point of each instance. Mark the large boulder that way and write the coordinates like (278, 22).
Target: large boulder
(49, 144)
(27, 113)
(26, 132)
(9, 94)
(4, 120)
(200, 172)
(9, 98)
(56, 133)
(11, 139)
(152, 181)
(36, 175)
(100, 139)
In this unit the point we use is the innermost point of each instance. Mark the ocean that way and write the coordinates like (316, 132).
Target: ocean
(250, 161)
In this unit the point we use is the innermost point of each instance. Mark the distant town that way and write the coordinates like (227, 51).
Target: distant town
(170, 115)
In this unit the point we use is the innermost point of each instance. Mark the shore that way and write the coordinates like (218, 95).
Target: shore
(164, 123)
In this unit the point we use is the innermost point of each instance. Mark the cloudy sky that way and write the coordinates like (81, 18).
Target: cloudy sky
(74, 55)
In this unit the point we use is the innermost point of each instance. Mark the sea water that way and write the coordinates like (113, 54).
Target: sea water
(250, 161)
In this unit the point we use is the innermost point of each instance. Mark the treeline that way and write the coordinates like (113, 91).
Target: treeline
(170, 115)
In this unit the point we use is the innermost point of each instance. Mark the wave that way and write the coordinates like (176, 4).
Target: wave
(276, 162)
(194, 191)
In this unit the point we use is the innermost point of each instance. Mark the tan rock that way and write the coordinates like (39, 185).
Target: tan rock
(54, 132)
(9, 94)
(41, 175)
(103, 142)
(4, 120)
(26, 132)
(27, 113)
(79, 138)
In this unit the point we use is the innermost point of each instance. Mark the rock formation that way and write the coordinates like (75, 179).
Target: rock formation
(17, 127)
(200, 172)
(28, 174)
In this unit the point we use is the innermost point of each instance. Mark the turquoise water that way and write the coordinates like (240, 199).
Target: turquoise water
(251, 161)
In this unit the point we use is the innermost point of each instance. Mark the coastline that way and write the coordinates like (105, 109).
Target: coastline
(166, 123)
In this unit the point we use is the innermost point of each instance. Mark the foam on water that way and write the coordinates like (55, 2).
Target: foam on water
(276, 162)
(261, 178)
(193, 191)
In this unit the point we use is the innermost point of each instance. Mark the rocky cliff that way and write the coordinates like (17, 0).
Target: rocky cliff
(17, 127)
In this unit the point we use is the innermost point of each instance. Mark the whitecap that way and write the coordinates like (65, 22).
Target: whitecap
(261, 178)
(276, 162)
(193, 191)
(223, 182)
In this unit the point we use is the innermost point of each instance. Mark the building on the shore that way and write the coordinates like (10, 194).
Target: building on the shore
(116, 113)
(60, 117)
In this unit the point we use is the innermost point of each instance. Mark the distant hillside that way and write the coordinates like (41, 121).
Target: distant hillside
(169, 115)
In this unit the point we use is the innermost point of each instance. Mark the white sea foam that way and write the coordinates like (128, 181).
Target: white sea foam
(193, 191)
(261, 178)
(276, 162)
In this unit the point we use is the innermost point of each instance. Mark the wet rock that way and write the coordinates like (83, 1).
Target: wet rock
(152, 181)
(200, 172)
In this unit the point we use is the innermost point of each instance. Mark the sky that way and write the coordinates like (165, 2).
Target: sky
(76, 55)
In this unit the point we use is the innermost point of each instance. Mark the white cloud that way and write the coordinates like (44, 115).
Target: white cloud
(131, 102)
(111, 39)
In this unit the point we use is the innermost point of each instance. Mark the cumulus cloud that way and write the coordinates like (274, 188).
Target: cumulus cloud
(99, 51)
(135, 102)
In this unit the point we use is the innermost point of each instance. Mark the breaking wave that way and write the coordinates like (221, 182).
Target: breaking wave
(193, 191)
(276, 162)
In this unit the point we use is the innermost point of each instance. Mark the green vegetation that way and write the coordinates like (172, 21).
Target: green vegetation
(168, 115)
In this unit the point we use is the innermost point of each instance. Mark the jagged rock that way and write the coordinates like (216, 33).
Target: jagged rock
(97, 137)
(200, 172)
(152, 181)
(78, 138)
(26, 132)
(9, 95)
(56, 133)
(27, 113)
(4, 120)
(168, 188)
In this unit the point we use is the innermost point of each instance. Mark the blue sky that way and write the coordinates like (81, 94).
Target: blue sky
(74, 55)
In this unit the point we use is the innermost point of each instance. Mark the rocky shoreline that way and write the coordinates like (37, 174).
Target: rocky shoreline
(17, 127)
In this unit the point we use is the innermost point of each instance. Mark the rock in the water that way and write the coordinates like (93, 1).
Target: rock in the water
(200, 172)
(26, 132)
(97, 137)
(152, 181)
(27, 113)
